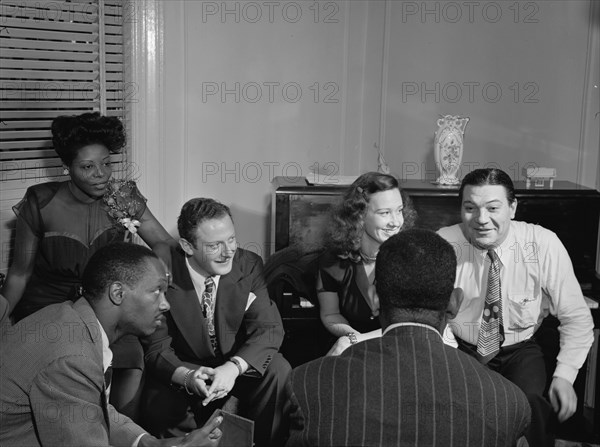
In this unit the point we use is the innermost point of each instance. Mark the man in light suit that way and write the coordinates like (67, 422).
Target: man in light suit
(407, 387)
(55, 364)
(222, 334)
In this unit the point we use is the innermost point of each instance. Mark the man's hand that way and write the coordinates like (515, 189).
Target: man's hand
(563, 398)
(207, 436)
(340, 346)
(223, 381)
(197, 384)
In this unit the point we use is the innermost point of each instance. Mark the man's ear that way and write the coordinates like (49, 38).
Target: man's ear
(186, 246)
(456, 299)
(513, 208)
(116, 293)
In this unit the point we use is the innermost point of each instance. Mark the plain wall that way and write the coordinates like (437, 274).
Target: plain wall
(247, 98)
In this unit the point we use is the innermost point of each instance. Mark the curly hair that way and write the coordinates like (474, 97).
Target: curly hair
(194, 212)
(71, 133)
(348, 215)
(415, 270)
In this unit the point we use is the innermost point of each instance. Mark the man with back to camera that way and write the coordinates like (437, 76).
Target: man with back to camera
(513, 275)
(55, 364)
(222, 333)
(407, 387)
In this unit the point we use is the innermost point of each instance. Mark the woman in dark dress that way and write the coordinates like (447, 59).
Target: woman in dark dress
(61, 224)
(372, 210)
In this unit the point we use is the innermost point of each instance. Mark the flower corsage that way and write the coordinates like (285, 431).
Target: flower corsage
(124, 203)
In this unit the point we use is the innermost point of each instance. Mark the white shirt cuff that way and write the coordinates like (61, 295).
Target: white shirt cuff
(566, 372)
(243, 362)
(137, 440)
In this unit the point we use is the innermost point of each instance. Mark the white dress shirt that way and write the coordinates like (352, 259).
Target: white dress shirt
(536, 278)
(107, 357)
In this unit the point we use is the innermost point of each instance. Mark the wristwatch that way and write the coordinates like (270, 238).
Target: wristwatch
(352, 337)
(237, 363)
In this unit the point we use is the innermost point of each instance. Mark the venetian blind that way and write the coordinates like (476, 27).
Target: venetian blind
(56, 58)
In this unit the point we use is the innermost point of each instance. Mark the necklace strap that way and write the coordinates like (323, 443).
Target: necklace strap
(368, 259)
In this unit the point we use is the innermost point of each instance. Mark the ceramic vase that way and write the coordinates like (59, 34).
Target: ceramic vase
(448, 148)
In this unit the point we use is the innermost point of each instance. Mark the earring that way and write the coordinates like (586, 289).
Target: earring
(65, 171)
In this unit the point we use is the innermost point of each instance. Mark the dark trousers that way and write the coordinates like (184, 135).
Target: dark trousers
(261, 399)
(523, 364)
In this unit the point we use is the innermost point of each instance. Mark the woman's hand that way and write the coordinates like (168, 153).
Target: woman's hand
(344, 342)
(340, 345)
(329, 310)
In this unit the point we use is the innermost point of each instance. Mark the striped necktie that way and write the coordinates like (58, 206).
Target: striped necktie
(208, 310)
(491, 332)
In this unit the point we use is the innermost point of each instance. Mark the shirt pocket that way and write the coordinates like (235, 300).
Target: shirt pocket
(523, 310)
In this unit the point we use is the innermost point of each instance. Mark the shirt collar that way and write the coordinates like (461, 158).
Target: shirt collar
(107, 354)
(426, 326)
(198, 279)
(503, 250)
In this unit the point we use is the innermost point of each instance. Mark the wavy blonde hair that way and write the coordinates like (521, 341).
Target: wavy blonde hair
(347, 217)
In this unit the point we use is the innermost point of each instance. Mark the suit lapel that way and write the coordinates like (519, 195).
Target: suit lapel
(86, 313)
(231, 305)
(185, 307)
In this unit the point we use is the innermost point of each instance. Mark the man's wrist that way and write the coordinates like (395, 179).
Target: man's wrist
(182, 378)
(565, 372)
(238, 365)
(187, 381)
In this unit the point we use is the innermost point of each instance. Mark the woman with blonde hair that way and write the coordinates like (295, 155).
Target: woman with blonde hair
(373, 209)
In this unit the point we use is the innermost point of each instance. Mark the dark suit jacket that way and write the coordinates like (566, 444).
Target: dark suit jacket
(254, 334)
(52, 382)
(404, 389)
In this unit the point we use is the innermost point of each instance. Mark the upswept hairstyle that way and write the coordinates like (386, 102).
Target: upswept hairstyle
(488, 176)
(71, 133)
(119, 261)
(348, 215)
(415, 271)
(194, 212)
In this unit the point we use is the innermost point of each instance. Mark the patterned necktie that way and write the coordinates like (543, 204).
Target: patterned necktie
(208, 310)
(491, 332)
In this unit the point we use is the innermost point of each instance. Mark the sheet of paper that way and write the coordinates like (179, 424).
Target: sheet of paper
(316, 178)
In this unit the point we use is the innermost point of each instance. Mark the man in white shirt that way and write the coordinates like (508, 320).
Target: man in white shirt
(513, 275)
(55, 364)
